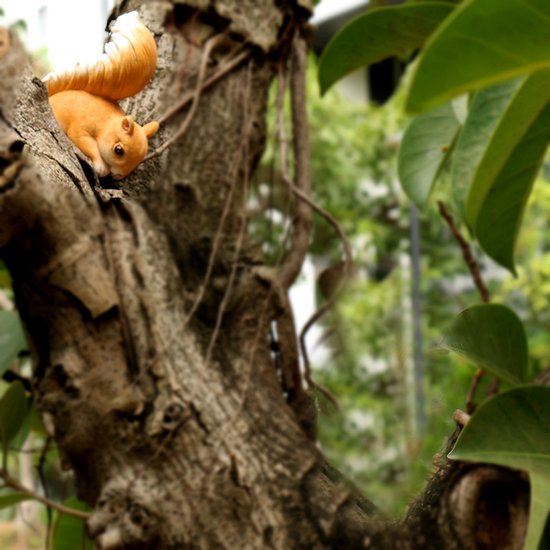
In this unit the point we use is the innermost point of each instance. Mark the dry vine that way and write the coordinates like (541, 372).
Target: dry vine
(301, 189)
(194, 97)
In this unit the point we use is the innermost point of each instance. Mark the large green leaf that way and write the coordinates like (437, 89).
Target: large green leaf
(12, 339)
(492, 336)
(484, 115)
(68, 532)
(14, 406)
(425, 146)
(499, 119)
(378, 34)
(483, 42)
(513, 430)
(499, 220)
(521, 113)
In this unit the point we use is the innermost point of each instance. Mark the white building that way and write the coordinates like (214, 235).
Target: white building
(71, 31)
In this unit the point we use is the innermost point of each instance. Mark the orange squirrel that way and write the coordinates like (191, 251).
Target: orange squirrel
(84, 99)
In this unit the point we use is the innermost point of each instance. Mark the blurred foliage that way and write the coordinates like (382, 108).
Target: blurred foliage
(26, 449)
(373, 438)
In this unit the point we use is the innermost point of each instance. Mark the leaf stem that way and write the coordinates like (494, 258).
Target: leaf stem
(475, 272)
(467, 254)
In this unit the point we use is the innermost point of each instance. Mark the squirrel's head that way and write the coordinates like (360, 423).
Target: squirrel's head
(125, 145)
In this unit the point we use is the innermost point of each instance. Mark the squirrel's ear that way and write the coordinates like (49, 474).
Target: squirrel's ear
(151, 128)
(127, 124)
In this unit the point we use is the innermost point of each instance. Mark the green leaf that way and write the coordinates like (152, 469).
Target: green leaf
(482, 43)
(513, 430)
(499, 220)
(484, 115)
(520, 104)
(12, 339)
(11, 499)
(378, 34)
(14, 406)
(498, 120)
(492, 336)
(425, 146)
(68, 532)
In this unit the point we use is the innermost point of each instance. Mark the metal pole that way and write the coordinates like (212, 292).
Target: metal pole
(416, 300)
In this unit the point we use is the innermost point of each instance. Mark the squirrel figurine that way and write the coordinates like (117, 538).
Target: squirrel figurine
(84, 99)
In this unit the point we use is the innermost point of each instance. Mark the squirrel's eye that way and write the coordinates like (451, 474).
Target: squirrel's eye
(119, 150)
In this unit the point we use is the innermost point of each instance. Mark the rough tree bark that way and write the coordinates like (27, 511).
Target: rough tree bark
(148, 311)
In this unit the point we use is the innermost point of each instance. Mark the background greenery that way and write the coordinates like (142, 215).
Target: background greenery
(373, 438)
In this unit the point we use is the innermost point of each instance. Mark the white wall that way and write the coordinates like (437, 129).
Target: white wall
(329, 8)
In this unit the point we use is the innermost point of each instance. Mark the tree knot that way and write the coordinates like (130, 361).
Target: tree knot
(125, 515)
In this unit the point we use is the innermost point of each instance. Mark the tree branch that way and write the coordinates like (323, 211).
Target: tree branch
(467, 254)
(14, 484)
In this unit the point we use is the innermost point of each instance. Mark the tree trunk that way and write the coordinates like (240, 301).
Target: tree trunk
(148, 311)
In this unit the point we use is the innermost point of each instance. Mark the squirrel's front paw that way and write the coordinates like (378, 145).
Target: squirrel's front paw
(101, 169)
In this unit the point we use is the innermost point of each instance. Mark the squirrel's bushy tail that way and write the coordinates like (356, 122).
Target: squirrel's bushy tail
(129, 62)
